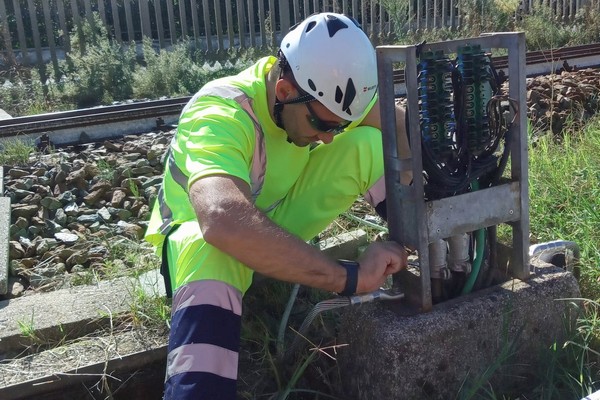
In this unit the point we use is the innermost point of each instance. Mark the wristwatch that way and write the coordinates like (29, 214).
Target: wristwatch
(351, 277)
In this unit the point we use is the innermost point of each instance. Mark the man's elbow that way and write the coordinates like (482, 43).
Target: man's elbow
(214, 227)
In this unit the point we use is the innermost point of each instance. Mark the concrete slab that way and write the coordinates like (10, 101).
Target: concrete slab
(345, 245)
(4, 239)
(430, 355)
(62, 314)
(4, 114)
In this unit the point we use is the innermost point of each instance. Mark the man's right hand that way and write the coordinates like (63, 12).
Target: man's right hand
(377, 262)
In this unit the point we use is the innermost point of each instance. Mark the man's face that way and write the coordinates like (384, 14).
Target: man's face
(306, 123)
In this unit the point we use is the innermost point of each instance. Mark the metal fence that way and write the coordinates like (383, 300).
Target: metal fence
(37, 31)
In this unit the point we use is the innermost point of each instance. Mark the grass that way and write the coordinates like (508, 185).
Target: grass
(564, 175)
(15, 152)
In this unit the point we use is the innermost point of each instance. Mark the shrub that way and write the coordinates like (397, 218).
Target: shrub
(97, 71)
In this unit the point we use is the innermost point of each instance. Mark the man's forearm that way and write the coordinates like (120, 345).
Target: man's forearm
(230, 222)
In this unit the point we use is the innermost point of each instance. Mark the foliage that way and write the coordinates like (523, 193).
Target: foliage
(568, 208)
(15, 152)
(96, 70)
(570, 369)
(265, 369)
(544, 28)
(180, 71)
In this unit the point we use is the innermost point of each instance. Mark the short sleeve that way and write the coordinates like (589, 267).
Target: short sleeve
(215, 136)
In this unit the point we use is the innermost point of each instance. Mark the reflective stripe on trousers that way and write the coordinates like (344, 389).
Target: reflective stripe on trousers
(204, 342)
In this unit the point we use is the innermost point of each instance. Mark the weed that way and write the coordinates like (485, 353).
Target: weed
(106, 170)
(566, 208)
(570, 368)
(97, 71)
(15, 151)
(28, 329)
(149, 310)
(544, 29)
(480, 385)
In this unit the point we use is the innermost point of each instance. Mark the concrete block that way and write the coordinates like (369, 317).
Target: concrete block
(4, 114)
(4, 239)
(66, 313)
(345, 245)
(430, 355)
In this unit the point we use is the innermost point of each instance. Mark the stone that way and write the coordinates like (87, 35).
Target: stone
(51, 203)
(24, 211)
(117, 198)
(17, 173)
(66, 237)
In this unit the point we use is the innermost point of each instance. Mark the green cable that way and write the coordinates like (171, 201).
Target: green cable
(479, 247)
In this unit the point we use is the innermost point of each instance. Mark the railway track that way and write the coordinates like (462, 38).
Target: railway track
(101, 123)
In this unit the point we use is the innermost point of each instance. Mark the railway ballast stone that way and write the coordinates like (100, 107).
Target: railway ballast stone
(569, 97)
(69, 204)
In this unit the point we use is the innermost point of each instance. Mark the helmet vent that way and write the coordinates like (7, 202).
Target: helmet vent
(309, 26)
(349, 96)
(338, 95)
(334, 24)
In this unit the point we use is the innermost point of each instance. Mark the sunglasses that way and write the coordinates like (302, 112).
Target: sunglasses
(324, 126)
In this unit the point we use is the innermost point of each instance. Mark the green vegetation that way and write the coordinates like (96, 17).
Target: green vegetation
(98, 71)
(544, 29)
(15, 151)
(564, 192)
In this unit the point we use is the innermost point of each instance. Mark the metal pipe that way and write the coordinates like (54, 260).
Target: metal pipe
(458, 253)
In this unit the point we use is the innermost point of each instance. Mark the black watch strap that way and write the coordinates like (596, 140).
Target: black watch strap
(351, 277)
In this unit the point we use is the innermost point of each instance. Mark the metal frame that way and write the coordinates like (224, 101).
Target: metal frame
(416, 223)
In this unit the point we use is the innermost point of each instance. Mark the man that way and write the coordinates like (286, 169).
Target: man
(244, 190)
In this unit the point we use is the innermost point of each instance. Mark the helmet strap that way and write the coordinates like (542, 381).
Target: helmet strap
(277, 109)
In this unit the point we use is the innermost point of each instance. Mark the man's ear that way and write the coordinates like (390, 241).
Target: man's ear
(285, 90)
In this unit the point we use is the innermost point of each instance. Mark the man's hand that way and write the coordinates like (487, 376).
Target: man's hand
(377, 262)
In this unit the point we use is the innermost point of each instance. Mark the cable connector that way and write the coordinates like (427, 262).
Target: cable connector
(381, 294)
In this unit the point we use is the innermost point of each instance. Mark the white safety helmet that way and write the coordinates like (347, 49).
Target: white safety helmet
(334, 61)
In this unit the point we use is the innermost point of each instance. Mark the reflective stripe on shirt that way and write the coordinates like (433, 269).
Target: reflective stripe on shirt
(259, 158)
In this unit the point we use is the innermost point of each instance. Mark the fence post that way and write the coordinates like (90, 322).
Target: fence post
(207, 26)
(261, 23)
(183, 19)
(171, 16)
(159, 23)
(50, 36)
(241, 23)
(251, 25)
(6, 38)
(284, 15)
(144, 18)
(129, 20)
(195, 22)
(230, 32)
(102, 12)
(36, 37)
(116, 21)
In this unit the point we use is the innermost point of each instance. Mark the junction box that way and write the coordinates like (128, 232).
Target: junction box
(463, 132)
